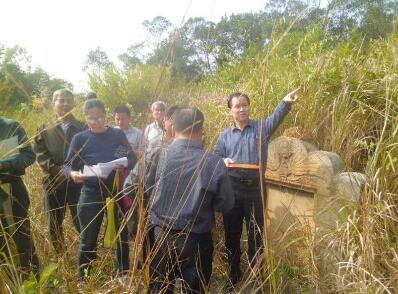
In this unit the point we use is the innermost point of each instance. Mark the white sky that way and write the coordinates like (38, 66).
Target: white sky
(58, 34)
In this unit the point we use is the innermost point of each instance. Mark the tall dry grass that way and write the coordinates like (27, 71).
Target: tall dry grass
(349, 102)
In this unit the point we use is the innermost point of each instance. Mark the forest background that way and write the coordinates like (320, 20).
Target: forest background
(345, 59)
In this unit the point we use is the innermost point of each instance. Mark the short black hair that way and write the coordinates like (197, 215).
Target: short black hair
(91, 95)
(170, 111)
(93, 103)
(122, 109)
(188, 120)
(235, 95)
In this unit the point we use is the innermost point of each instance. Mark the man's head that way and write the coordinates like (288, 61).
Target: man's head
(122, 117)
(168, 122)
(239, 105)
(158, 109)
(188, 123)
(91, 95)
(63, 102)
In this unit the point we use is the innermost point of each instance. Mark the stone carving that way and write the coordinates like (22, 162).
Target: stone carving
(306, 188)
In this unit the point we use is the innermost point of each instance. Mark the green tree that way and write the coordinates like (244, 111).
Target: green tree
(132, 57)
(373, 18)
(96, 62)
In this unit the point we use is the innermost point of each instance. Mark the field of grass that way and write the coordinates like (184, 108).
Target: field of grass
(349, 103)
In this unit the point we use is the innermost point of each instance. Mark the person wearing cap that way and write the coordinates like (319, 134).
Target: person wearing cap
(14, 197)
(51, 146)
(191, 184)
(239, 144)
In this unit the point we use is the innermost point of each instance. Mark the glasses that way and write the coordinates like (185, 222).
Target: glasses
(93, 120)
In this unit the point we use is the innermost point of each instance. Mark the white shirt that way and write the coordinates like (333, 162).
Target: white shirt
(152, 132)
(134, 137)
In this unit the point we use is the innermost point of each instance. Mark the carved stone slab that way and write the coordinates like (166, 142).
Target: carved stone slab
(306, 188)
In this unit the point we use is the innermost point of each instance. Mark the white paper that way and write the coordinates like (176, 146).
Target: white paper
(103, 170)
(9, 147)
(92, 171)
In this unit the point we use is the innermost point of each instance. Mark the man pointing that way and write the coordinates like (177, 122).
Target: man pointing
(240, 144)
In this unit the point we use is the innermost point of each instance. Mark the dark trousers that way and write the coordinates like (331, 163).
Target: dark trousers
(249, 208)
(22, 235)
(55, 201)
(91, 209)
(185, 255)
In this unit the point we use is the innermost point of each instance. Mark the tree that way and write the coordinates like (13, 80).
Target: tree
(19, 82)
(373, 18)
(96, 62)
(131, 58)
(159, 28)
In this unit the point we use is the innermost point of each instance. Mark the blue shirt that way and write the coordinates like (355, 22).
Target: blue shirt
(88, 148)
(192, 184)
(242, 145)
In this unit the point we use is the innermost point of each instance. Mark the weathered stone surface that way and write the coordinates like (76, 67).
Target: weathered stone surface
(306, 188)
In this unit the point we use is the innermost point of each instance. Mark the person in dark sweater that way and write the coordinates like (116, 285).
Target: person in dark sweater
(51, 146)
(98, 144)
(190, 185)
(14, 197)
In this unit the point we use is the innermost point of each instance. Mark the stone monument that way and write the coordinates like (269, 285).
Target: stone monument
(307, 189)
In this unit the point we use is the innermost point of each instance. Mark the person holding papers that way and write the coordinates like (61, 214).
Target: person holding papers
(239, 146)
(91, 148)
(16, 154)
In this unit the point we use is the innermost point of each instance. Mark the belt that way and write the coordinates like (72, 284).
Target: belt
(246, 182)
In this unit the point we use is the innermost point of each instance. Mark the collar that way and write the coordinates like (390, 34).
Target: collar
(73, 122)
(250, 124)
(186, 143)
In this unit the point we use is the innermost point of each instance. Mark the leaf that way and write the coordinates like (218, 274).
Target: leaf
(47, 272)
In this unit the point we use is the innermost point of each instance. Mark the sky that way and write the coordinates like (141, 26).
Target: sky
(58, 34)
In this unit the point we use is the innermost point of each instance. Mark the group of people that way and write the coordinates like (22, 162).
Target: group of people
(183, 185)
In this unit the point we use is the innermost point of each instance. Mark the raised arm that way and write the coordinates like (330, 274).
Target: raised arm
(275, 119)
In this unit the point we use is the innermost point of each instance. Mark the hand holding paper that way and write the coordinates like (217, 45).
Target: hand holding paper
(103, 170)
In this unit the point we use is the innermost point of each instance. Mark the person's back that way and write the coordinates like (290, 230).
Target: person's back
(191, 187)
